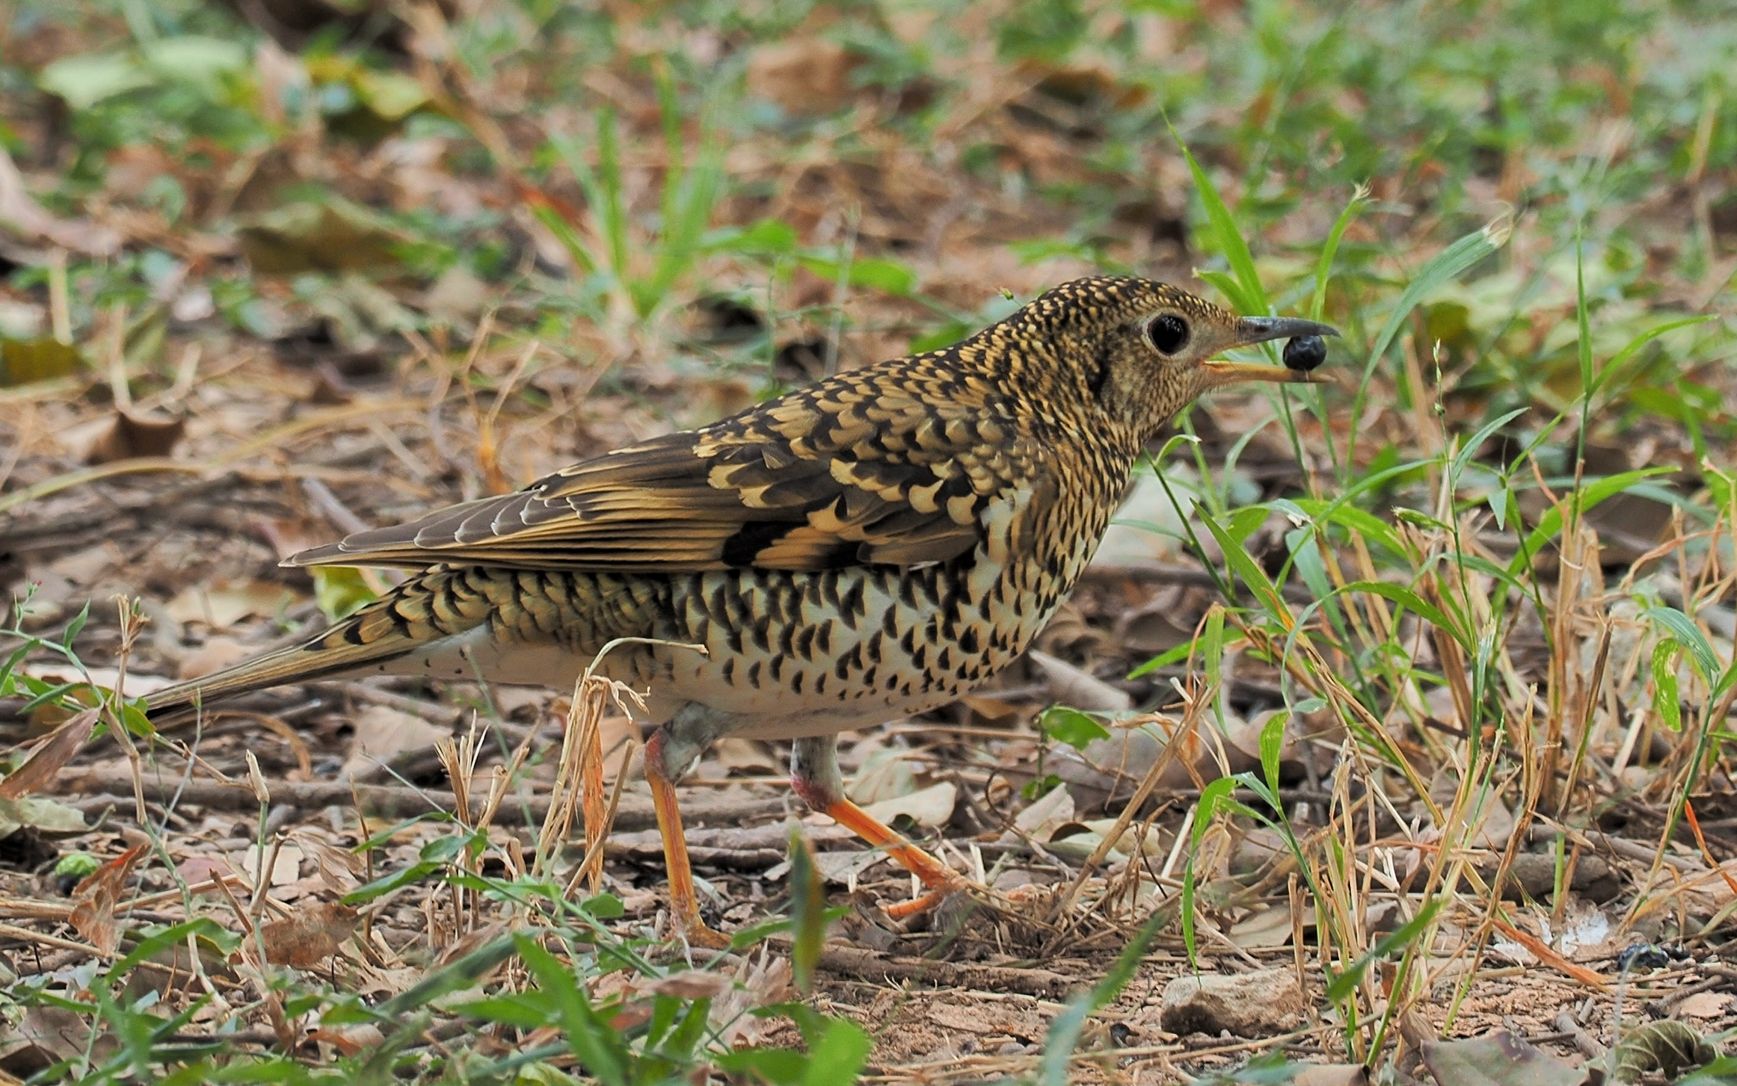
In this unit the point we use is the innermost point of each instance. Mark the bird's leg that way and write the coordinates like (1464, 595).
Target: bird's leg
(684, 903)
(815, 777)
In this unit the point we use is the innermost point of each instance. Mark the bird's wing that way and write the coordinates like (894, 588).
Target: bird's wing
(847, 473)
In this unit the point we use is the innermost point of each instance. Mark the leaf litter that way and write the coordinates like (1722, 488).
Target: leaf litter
(265, 447)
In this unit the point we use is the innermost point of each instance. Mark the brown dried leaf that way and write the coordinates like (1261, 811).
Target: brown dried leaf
(1078, 688)
(308, 936)
(1332, 1074)
(286, 862)
(1706, 1005)
(94, 914)
(931, 806)
(21, 214)
(50, 754)
(807, 75)
(692, 984)
(1500, 1059)
(216, 654)
(1263, 929)
(340, 869)
(333, 234)
(383, 732)
(350, 1041)
(222, 604)
(1046, 814)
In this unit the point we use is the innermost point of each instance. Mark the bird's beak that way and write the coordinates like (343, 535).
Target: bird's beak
(1251, 330)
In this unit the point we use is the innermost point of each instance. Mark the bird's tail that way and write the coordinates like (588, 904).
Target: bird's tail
(408, 622)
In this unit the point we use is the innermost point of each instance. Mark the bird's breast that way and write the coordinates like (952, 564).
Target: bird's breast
(812, 652)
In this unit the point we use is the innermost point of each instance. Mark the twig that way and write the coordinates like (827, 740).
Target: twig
(391, 801)
(875, 966)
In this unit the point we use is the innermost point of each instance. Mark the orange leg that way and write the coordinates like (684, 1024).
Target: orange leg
(815, 777)
(684, 902)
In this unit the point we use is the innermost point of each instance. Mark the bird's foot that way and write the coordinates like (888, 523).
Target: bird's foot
(699, 935)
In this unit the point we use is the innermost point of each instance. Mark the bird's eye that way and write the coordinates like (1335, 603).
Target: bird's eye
(1168, 333)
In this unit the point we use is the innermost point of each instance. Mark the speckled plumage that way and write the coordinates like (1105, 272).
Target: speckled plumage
(864, 548)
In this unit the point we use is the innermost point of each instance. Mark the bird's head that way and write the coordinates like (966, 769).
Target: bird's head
(1141, 351)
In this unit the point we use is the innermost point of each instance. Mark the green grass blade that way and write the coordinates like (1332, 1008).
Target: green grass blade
(1065, 1030)
(1246, 291)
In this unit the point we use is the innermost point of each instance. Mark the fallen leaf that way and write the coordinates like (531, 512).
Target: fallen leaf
(1332, 1074)
(285, 868)
(221, 604)
(382, 733)
(216, 654)
(1706, 1005)
(691, 984)
(340, 869)
(931, 806)
(197, 869)
(41, 814)
(885, 774)
(350, 1040)
(1077, 688)
(332, 234)
(1048, 813)
(94, 914)
(43, 359)
(1499, 1059)
(102, 678)
(309, 935)
(24, 216)
(50, 754)
(806, 75)
(1262, 929)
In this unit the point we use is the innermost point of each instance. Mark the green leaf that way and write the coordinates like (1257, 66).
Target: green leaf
(765, 237)
(887, 276)
(807, 912)
(1472, 444)
(1633, 347)
(172, 939)
(1324, 264)
(340, 591)
(83, 80)
(434, 856)
(1341, 986)
(1272, 744)
(1071, 726)
(1447, 265)
(1666, 700)
(589, 1034)
(837, 1055)
(1245, 291)
(1245, 521)
(1414, 603)
(1682, 629)
(1249, 572)
(76, 865)
(522, 1010)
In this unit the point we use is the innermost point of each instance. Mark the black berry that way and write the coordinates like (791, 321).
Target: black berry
(1305, 353)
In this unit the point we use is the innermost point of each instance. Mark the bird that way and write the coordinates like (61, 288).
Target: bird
(858, 550)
